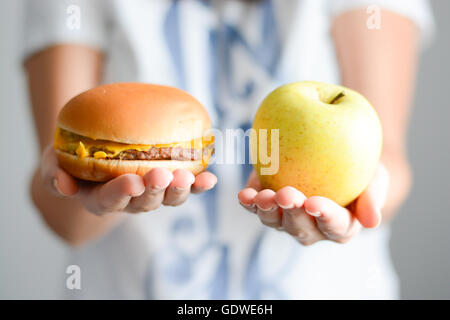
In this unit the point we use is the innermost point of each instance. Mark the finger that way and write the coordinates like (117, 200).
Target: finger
(334, 221)
(294, 219)
(113, 195)
(179, 189)
(289, 197)
(301, 226)
(56, 180)
(156, 181)
(267, 208)
(64, 183)
(371, 201)
(203, 182)
(247, 199)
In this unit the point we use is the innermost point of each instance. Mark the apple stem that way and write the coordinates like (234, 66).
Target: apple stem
(340, 95)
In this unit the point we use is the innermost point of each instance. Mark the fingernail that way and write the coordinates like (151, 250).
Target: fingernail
(157, 188)
(248, 206)
(266, 210)
(314, 214)
(55, 185)
(380, 218)
(291, 206)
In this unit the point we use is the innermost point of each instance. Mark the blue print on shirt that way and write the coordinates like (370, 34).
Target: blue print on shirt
(172, 33)
(178, 266)
(266, 53)
(258, 287)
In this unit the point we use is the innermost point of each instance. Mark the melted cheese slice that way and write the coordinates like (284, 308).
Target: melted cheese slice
(81, 146)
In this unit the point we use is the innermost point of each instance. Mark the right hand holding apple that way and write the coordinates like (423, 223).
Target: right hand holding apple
(324, 140)
(310, 220)
(129, 192)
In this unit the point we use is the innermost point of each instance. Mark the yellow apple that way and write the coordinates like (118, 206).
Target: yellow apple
(329, 140)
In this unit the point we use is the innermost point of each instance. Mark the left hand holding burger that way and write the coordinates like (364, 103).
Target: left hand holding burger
(128, 192)
(310, 220)
(130, 147)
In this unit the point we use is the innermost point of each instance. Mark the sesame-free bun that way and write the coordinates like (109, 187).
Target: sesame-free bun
(100, 170)
(135, 113)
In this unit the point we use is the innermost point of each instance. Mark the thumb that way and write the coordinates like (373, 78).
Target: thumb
(372, 200)
(54, 178)
(64, 183)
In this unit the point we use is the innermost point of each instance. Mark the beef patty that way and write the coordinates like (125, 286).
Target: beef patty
(165, 153)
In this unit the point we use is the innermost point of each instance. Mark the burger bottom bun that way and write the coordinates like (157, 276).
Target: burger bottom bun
(99, 170)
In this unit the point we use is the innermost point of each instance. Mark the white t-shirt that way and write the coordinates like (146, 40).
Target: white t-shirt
(229, 55)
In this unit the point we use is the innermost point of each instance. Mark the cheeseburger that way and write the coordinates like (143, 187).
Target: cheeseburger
(131, 128)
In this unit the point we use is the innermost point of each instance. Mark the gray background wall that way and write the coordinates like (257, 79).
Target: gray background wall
(30, 257)
(421, 238)
(32, 261)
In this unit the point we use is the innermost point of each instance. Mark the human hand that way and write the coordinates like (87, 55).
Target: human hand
(127, 193)
(310, 220)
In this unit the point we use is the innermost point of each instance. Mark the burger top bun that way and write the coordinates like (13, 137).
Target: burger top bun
(135, 113)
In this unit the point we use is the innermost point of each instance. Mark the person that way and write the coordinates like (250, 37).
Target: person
(229, 55)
